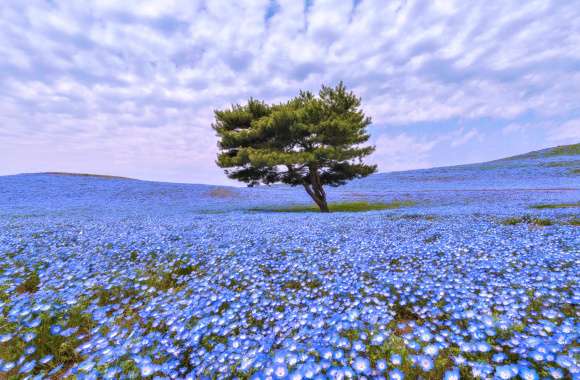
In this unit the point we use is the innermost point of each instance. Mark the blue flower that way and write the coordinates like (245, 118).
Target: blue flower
(527, 373)
(506, 371)
(425, 363)
(147, 369)
(396, 359)
(381, 365)
(361, 365)
(452, 374)
(431, 350)
(55, 329)
(280, 371)
(396, 374)
(556, 373)
(27, 367)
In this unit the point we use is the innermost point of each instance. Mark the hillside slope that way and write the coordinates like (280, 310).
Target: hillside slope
(549, 175)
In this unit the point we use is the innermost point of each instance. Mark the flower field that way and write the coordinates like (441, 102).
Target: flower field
(475, 275)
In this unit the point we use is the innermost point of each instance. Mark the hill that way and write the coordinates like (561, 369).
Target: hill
(544, 176)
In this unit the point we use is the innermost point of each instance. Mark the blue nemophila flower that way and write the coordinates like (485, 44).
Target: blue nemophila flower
(358, 346)
(381, 365)
(425, 336)
(556, 373)
(506, 371)
(55, 370)
(280, 371)
(564, 361)
(425, 363)
(55, 329)
(8, 366)
(28, 336)
(86, 366)
(431, 350)
(46, 359)
(205, 295)
(452, 374)
(296, 375)
(460, 360)
(361, 365)
(527, 373)
(27, 367)
(483, 347)
(396, 359)
(499, 357)
(147, 369)
(396, 374)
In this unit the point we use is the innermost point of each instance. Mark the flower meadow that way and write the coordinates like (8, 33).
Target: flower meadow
(476, 278)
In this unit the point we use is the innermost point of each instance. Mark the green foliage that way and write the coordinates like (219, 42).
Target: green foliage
(63, 348)
(511, 221)
(221, 192)
(343, 207)
(555, 205)
(309, 141)
(542, 222)
(432, 238)
(528, 220)
(563, 164)
(565, 150)
(210, 341)
(562, 150)
(30, 284)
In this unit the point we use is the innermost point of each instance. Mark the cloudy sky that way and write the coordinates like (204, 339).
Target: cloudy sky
(117, 87)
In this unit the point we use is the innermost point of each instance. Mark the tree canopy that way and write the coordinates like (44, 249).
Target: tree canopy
(309, 141)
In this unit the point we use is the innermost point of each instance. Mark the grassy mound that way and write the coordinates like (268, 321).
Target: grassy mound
(555, 205)
(342, 207)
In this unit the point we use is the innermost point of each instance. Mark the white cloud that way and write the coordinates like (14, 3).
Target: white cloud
(566, 133)
(402, 152)
(405, 152)
(462, 137)
(129, 67)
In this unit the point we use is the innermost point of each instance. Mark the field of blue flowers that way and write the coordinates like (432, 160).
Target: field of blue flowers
(476, 277)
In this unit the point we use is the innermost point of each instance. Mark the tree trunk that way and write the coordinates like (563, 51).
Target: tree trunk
(323, 205)
(316, 191)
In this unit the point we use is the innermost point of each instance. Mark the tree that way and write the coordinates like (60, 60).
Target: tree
(309, 141)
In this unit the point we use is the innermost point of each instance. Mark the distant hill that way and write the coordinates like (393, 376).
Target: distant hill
(101, 176)
(561, 150)
(546, 176)
(548, 154)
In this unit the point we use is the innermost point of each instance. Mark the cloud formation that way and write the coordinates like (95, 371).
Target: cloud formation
(129, 88)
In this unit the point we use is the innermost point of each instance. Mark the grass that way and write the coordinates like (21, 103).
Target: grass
(342, 207)
(100, 176)
(30, 284)
(555, 205)
(62, 348)
(432, 239)
(565, 150)
(562, 150)
(528, 220)
(563, 164)
(221, 192)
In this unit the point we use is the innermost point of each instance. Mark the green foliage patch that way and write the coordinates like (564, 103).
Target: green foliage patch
(512, 221)
(343, 207)
(555, 205)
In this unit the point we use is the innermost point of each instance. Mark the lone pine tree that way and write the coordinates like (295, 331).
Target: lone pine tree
(309, 141)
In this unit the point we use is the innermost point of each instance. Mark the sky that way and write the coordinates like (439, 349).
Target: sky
(129, 88)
